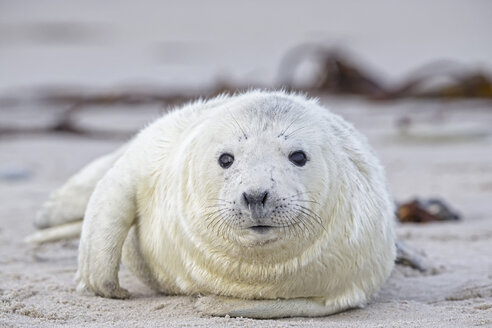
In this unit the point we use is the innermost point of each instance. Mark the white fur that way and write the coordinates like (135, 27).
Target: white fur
(172, 212)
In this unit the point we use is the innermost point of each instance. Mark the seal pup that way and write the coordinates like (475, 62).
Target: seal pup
(265, 204)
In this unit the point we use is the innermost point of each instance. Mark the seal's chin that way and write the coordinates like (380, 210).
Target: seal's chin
(259, 235)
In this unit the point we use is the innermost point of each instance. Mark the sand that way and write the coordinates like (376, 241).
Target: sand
(446, 152)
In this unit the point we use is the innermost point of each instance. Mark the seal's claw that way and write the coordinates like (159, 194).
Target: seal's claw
(119, 293)
(98, 282)
(109, 289)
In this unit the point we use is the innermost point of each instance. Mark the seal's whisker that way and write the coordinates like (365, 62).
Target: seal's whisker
(214, 211)
(215, 218)
(209, 214)
(211, 219)
(238, 125)
(212, 222)
(226, 229)
(214, 206)
(305, 201)
(217, 204)
(297, 222)
(298, 226)
(217, 224)
(220, 200)
(218, 227)
(218, 221)
(298, 217)
(315, 217)
(213, 215)
(288, 225)
(308, 224)
(304, 228)
(310, 218)
(310, 211)
(307, 227)
(290, 124)
(296, 195)
(291, 133)
(223, 227)
(293, 223)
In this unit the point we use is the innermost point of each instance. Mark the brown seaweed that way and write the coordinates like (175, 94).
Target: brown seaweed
(422, 211)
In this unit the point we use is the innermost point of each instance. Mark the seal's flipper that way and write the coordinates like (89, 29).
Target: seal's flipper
(63, 231)
(68, 203)
(405, 255)
(110, 213)
(265, 309)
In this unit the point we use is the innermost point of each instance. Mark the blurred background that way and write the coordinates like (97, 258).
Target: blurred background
(193, 43)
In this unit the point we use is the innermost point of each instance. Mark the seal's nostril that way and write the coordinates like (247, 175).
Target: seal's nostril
(265, 195)
(245, 197)
(255, 199)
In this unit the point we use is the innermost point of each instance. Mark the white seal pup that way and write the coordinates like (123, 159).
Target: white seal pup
(266, 204)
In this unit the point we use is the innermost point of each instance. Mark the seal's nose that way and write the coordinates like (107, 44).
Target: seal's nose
(255, 199)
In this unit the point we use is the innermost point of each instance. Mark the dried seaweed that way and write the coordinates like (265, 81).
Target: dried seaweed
(338, 74)
(75, 102)
(422, 211)
(64, 124)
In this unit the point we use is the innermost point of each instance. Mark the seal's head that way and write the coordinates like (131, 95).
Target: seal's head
(269, 167)
(273, 171)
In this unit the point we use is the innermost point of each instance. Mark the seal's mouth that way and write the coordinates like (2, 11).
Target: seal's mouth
(261, 229)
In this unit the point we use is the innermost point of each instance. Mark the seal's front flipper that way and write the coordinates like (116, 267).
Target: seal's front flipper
(110, 213)
(264, 309)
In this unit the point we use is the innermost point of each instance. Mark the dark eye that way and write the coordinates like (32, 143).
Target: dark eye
(298, 158)
(226, 160)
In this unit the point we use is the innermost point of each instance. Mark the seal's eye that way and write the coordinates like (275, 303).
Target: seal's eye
(226, 160)
(298, 157)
